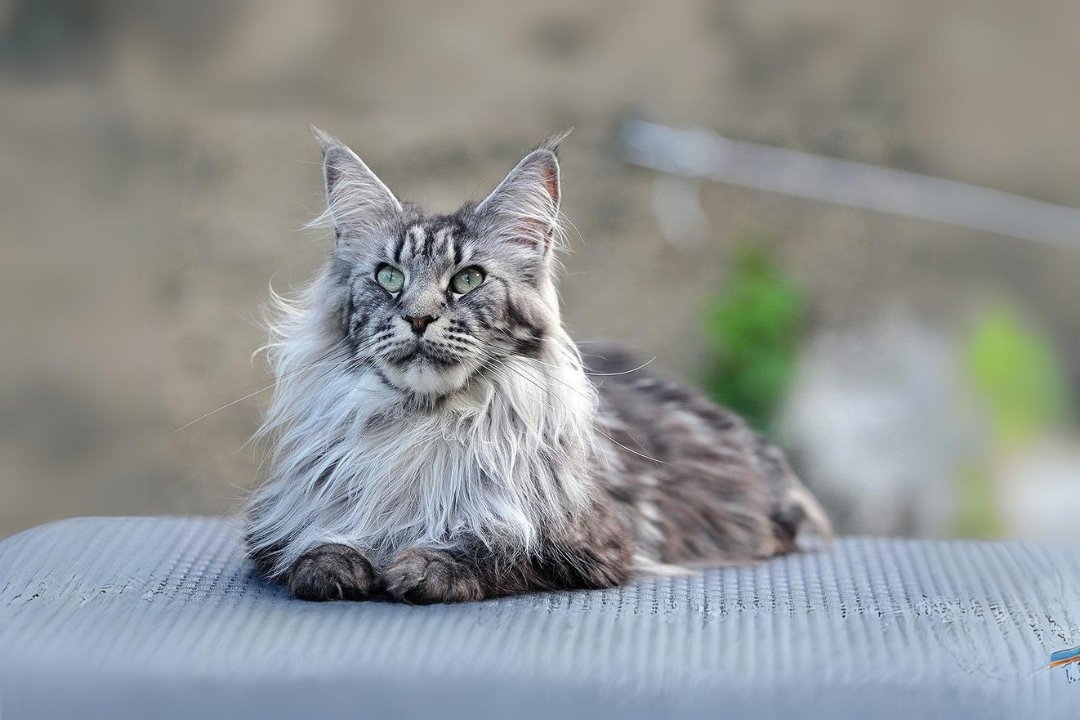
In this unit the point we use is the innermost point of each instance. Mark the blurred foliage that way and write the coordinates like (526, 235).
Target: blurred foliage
(1017, 375)
(1019, 381)
(976, 513)
(753, 329)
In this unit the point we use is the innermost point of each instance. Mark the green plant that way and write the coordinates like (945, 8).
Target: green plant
(1021, 385)
(977, 515)
(1017, 376)
(753, 329)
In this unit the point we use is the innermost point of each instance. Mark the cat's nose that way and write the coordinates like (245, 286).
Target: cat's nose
(419, 323)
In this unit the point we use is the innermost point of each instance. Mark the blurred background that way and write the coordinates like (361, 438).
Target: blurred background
(157, 167)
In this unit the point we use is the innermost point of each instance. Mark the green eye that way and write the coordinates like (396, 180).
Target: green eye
(390, 278)
(466, 280)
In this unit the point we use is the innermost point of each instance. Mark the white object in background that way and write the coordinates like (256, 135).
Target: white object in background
(876, 430)
(704, 155)
(1039, 492)
(676, 203)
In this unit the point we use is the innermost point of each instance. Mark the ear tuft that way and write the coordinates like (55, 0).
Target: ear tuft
(555, 139)
(324, 140)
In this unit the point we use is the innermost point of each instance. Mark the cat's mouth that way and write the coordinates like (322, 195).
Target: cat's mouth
(425, 371)
(424, 353)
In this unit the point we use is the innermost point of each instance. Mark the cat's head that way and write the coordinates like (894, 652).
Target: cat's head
(429, 301)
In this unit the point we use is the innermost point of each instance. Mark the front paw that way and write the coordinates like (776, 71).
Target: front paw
(423, 576)
(331, 572)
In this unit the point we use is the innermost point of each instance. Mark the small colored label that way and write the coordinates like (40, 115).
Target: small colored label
(1065, 657)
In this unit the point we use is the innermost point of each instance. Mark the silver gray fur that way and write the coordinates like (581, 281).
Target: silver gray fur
(484, 430)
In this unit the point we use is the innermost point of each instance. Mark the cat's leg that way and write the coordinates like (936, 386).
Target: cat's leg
(331, 572)
(423, 576)
(289, 545)
(595, 552)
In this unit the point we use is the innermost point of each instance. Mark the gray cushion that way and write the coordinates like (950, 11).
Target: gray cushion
(162, 617)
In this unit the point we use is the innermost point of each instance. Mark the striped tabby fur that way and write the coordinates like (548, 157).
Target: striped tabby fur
(432, 445)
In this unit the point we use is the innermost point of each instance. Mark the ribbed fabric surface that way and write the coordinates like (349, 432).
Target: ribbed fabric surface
(162, 617)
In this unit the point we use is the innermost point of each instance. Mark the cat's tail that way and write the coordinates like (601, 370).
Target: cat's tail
(796, 515)
(814, 518)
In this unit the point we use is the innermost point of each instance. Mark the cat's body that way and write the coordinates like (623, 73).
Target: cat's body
(434, 435)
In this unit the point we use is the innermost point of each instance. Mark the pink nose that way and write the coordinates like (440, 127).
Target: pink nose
(419, 323)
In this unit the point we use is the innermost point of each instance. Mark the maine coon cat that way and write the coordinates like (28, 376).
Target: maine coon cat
(435, 435)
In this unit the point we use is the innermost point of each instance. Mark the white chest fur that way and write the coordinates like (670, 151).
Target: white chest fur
(491, 466)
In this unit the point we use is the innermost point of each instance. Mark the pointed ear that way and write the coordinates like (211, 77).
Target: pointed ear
(355, 197)
(524, 208)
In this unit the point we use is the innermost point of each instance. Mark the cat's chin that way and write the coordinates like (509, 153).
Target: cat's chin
(424, 378)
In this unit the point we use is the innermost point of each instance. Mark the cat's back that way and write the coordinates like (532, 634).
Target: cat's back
(658, 425)
(669, 413)
(698, 483)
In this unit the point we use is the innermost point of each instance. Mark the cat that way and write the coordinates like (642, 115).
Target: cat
(436, 436)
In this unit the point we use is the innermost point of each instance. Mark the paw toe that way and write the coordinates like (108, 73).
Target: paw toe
(427, 576)
(331, 572)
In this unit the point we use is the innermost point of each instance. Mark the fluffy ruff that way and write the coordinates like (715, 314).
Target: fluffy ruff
(357, 462)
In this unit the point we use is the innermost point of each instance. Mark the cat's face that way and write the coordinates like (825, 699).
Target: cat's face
(430, 301)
